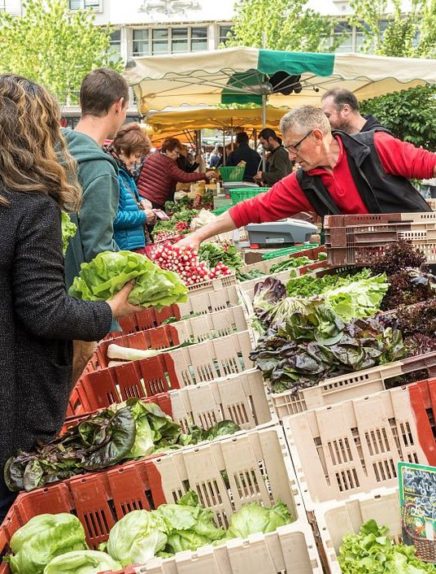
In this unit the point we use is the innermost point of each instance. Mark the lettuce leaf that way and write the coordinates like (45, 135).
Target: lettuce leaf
(253, 518)
(82, 562)
(137, 537)
(107, 273)
(69, 230)
(43, 538)
(371, 551)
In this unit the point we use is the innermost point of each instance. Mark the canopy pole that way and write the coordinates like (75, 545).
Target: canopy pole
(263, 127)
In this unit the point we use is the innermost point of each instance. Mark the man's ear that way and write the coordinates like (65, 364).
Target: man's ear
(119, 105)
(317, 133)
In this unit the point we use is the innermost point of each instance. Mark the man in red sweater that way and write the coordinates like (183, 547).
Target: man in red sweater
(339, 173)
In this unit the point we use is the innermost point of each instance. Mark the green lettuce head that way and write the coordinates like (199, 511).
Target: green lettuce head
(107, 273)
(136, 538)
(82, 562)
(43, 538)
(253, 518)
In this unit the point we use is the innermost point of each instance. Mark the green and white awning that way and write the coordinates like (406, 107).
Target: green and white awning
(250, 75)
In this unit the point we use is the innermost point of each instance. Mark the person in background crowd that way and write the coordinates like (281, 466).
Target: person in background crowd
(38, 320)
(243, 152)
(216, 157)
(342, 110)
(127, 148)
(137, 168)
(339, 173)
(184, 161)
(103, 100)
(160, 174)
(278, 164)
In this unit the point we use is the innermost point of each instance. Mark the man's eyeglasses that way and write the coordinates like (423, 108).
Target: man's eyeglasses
(295, 147)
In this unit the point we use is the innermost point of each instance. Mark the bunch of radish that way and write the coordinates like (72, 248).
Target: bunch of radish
(186, 263)
(164, 235)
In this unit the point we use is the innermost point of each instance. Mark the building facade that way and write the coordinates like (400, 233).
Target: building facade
(152, 27)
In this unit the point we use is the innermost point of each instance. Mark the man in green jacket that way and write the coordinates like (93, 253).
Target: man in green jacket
(278, 164)
(104, 99)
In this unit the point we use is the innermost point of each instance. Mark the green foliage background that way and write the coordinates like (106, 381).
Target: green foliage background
(54, 46)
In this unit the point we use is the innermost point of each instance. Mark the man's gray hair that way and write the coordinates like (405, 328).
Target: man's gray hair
(303, 119)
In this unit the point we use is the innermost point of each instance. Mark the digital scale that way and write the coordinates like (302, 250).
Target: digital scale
(280, 233)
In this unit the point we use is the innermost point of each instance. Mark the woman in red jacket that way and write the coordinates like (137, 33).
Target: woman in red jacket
(160, 174)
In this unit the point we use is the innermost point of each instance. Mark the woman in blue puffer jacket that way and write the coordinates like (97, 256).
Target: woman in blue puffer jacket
(134, 213)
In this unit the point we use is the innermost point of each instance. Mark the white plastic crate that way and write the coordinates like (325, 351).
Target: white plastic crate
(350, 386)
(249, 467)
(213, 284)
(336, 519)
(354, 446)
(240, 398)
(209, 301)
(195, 329)
(223, 322)
(213, 359)
(253, 467)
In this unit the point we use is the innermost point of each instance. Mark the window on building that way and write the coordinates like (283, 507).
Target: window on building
(115, 44)
(2, 5)
(96, 5)
(344, 34)
(141, 42)
(160, 41)
(225, 31)
(179, 40)
(198, 39)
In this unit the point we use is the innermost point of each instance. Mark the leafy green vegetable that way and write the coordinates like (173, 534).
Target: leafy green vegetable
(292, 365)
(371, 551)
(82, 562)
(266, 295)
(107, 273)
(308, 285)
(69, 230)
(100, 441)
(137, 537)
(360, 298)
(132, 429)
(213, 253)
(253, 518)
(248, 275)
(154, 429)
(291, 263)
(43, 538)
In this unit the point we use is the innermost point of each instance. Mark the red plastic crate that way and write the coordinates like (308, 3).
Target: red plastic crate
(205, 361)
(356, 239)
(156, 338)
(140, 379)
(146, 319)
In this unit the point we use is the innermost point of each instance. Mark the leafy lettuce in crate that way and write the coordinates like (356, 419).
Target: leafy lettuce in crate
(82, 562)
(43, 538)
(107, 273)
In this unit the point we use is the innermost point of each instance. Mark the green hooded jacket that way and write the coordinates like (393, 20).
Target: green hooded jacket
(98, 176)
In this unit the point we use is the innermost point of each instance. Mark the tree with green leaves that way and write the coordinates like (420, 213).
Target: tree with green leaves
(54, 46)
(409, 114)
(280, 25)
(411, 34)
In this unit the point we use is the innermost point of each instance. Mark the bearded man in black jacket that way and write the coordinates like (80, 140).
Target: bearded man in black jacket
(342, 110)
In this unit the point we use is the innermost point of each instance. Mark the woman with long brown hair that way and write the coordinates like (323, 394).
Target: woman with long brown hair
(38, 320)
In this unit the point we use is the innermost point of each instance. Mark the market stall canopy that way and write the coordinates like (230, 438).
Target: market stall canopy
(250, 75)
(194, 118)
